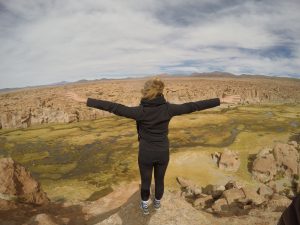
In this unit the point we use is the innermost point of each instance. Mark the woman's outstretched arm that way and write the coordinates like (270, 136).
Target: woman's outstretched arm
(188, 107)
(116, 108)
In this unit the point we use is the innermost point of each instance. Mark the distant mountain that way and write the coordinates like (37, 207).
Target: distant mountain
(56, 84)
(9, 89)
(34, 86)
(162, 75)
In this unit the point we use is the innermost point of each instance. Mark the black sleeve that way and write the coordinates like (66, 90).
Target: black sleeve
(116, 108)
(188, 107)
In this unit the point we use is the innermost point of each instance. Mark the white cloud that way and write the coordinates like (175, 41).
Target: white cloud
(50, 41)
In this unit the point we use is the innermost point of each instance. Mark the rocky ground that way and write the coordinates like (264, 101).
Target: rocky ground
(22, 200)
(24, 108)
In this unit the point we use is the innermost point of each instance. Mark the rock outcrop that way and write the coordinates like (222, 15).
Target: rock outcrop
(18, 186)
(175, 210)
(279, 167)
(27, 107)
(233, 199)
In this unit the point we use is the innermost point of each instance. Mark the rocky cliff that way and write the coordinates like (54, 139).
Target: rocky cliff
(24, 108)
(231, 204)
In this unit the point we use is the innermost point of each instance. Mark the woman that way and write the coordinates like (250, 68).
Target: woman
(152, 118)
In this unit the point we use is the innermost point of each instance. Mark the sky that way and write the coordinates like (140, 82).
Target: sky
(48, 41)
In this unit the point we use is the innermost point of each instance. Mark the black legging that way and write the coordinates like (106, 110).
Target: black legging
(147, 160)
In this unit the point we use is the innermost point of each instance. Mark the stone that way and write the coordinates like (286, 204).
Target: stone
(293, 143)
(203, 202)
(229, 160)
(287, 156)
(220, 205)
(17, 182)
(7, 205)
(232, 195)
(252, 196)
(278, 202)
(189, 188)
(264, 168)
(183, 182)
(217, 191)
(264, 152)
(232, 184)
(265, 191)
(42, 219)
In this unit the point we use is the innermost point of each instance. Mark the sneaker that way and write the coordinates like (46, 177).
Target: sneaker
(156, 204)
(144, 207)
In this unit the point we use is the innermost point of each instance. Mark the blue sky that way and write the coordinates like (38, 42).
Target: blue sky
(47, 41)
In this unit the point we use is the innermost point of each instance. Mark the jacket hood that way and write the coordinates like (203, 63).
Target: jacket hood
(158, 100)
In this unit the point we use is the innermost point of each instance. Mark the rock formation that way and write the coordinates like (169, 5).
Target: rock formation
(27, 107)
(279, 167)
(18, 186)
(233, 199)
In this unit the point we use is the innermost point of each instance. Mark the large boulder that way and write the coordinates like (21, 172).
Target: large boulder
(264, 167)
(287, 157)
(16, 183)
(279, 167)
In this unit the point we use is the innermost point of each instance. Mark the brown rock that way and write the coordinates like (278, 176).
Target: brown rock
(232, 195)
(264, 167)
(183, 182)
(17, 182)
(217, 191)
(252, 196)
(279, 203)
(220, 205)
(229, 160)
(287, 155)
(232, 184)
(188, 187)
(293, 143)
(7, 205)
(203, 202)
(42, 219)
(264, 152)
(265, 191)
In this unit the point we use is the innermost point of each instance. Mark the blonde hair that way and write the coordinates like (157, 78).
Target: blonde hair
(152, 88)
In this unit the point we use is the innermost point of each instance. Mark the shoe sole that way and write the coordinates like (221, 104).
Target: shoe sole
(145, 213)
(156, 208)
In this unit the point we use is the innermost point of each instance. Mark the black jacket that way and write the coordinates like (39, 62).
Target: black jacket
(153, 116)
(291, 215)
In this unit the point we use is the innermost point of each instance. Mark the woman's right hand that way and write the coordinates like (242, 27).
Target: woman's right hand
(234, 99)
